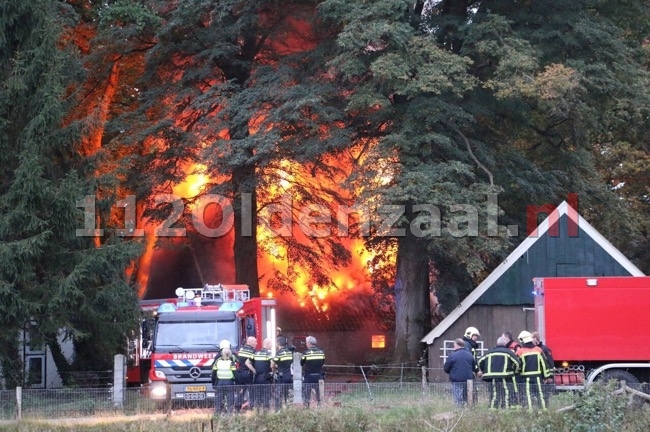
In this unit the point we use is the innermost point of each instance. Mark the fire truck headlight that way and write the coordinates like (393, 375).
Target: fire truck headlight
(159, 374)
(158, 391)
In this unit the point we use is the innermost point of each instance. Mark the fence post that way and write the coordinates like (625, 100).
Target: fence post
(365, 378)
(321, 391)
(424, 381)
(470, 393)
(297, 379)
(19, 402)
(119, 375)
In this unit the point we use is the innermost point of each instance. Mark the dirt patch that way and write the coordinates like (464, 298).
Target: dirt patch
(180, 416)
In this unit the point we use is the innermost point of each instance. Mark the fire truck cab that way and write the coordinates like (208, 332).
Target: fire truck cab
(172, 357)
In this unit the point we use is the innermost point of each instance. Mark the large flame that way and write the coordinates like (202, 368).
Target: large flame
(346, 281)
(353, 279)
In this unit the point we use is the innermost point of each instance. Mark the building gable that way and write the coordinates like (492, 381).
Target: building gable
(556, 253)
(566, 251)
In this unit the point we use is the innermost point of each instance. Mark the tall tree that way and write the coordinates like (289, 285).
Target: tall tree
(53, 280)
(232, 88)
(464, 98)
(406, 94)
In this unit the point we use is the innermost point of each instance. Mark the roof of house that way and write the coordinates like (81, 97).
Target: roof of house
(543, 228)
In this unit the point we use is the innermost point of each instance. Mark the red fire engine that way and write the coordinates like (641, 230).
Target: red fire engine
(179, 339)
(596, 327)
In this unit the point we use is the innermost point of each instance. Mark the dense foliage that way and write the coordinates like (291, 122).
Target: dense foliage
(420, 109)
(55, 282)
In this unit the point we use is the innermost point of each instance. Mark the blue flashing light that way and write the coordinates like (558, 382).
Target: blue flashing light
(166, 307)
(231, 306)
(182, 304)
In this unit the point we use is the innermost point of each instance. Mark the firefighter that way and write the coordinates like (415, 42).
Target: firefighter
(512, 343)
(312, 361)
(223, 379)
(470, 337)
(550, 385)
(499, 367)
(534, 372)
(283, 361)
(288, 345)
(245, 372)
(263, 364)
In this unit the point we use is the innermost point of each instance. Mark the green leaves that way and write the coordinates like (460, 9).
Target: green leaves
(47, 273)
(125, 12)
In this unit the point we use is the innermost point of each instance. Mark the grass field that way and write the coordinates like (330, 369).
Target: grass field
(596, 410)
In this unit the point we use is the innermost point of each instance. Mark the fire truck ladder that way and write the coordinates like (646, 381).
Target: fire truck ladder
(218, 292)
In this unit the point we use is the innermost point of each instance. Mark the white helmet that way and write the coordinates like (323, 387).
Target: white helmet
(224, 344)
(471, 331)
(525, 337)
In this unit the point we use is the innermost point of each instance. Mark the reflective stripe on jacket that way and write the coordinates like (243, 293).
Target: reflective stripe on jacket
(313, 360)
(225, 368)
(262, 361)
(499, 362)
(533, 362)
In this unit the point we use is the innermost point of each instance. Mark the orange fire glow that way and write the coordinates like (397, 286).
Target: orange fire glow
(355, 278)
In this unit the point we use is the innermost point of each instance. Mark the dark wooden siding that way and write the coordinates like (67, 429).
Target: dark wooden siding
(347, 348)
(491, 322)
(551, 256)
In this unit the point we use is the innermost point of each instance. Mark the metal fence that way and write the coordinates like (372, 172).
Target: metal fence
(369, 387)
(86, 402)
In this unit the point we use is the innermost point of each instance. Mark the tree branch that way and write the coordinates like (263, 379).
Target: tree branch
(471, 153)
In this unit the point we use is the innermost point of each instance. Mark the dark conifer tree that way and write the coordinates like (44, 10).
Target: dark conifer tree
(55, 282)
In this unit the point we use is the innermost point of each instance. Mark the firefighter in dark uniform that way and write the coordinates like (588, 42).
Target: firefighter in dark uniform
(499, 367)
(223, 379)
(245, 372)
(512, 343)
(283, 360)
(263, 363)
(312, 362)
(549, 386)
(470, 337)
(534, 372)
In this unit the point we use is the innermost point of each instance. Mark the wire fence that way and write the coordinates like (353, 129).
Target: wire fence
(371, 387)
(88, 379)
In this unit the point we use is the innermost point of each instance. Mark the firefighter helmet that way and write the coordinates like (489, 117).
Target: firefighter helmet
(471, 331)
(224, 344)
(525, 337)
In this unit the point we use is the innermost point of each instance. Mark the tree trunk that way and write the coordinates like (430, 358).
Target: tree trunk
(62, 364)
(411, 298)
(245, 217)
(94, 143)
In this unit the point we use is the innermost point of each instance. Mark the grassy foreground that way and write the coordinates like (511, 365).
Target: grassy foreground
(597, 410)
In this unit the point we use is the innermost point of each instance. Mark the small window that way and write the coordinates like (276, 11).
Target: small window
(35, 371)
(378, 341)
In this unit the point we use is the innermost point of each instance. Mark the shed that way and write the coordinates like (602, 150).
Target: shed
(564, 244)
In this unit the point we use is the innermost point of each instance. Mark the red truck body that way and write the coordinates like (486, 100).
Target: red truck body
(595, 321)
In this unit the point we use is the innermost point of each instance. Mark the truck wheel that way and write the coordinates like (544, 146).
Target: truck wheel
(619, 375)
(630, 380)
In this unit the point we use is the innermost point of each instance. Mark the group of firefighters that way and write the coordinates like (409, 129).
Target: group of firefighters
(518, 373)
(263, 376)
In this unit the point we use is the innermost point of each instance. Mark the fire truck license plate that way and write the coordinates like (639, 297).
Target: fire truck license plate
(195, 388)
(194, 396)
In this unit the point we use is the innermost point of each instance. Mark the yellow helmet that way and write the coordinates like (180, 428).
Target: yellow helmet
(224, 344)
(525, 337)
(471, 331)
